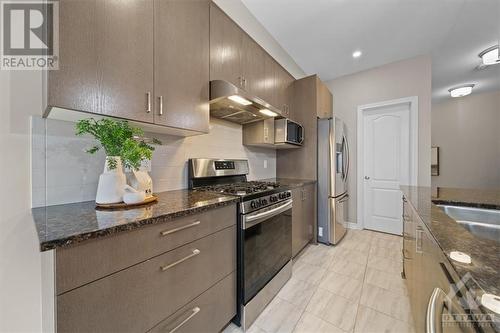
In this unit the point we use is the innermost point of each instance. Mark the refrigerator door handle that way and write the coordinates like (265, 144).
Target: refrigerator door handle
(332, 159)
(346, 153)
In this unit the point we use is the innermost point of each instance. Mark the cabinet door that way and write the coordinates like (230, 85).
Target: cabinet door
(271, 82)
(309, 211)
(297, 221)
(182, 64)
(252, 69)
(125, 57)
(287, 82)
(74, 85)
(325, 100)
(225, 47)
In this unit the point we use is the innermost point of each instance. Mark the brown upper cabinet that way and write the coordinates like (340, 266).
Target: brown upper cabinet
(324, 100)
(182, 64)
(111, 64)
(235, 57)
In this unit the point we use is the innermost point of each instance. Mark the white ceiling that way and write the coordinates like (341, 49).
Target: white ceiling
(320, 35)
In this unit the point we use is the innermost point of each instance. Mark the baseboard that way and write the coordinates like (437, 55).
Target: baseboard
(352, 225)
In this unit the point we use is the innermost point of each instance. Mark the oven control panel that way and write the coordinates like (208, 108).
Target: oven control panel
(268, 200)
(224, 165)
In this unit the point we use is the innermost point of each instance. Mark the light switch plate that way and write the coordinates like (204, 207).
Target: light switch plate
(265, 164)
(320, 231)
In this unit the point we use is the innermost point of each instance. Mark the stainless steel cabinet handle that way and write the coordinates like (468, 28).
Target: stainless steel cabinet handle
(193, 312)
(148, 102)
(160, 101)
(175, 263)
(418, 242)
(432, 318)
(171, 231)
(405, 257)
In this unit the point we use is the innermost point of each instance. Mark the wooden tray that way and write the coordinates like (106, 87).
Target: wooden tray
(123, 205)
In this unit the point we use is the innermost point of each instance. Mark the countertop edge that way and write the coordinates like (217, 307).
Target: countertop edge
(85, 236)
(483, 282)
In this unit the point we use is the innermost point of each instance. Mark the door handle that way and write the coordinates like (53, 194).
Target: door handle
(367, 178)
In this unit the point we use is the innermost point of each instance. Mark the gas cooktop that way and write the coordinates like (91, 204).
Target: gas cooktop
(241, 188)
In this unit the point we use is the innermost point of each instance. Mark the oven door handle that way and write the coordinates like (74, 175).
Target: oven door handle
(251, 220)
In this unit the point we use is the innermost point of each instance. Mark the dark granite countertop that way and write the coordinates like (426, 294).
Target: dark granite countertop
(65, 225)
(290, 182)
(451, 236)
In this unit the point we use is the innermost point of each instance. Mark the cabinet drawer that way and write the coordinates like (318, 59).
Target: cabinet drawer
(95, 259)
(209, 312)
(137, 298)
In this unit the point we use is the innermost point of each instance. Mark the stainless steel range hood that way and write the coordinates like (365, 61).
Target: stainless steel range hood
(233, 104)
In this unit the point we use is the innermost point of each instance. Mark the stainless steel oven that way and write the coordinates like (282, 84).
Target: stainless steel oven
(264, 233)
(266, 236)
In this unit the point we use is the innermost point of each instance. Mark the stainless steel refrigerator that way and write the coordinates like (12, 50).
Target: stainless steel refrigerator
(333, 169)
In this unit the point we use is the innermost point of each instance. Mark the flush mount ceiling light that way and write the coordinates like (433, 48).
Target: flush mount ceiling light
(490, 56)
(239, 100)
(268, 113)
(461, 90)
(357, 54)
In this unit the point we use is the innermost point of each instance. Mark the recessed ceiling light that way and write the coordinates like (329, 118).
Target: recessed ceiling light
(268, 112)
(490, 56)
(356, 54)
(460, 91)
(239, 100)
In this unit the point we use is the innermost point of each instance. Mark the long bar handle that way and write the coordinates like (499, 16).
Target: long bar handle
(160, 101)
(194, 311)
(175, 263)
(431, 318)
(171, 231)
(148, 102)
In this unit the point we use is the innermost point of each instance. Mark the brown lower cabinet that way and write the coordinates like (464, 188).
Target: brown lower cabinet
(189, 288)
(209, 312)
(429, 277)
(303, 216)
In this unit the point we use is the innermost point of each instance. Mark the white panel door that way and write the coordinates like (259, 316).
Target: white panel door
(386, 166)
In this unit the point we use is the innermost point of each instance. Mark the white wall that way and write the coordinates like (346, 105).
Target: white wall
(20, 260)
(249, 23)
(405, 78)
(466, 130)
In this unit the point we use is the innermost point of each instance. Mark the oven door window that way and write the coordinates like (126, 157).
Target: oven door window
(267, 249)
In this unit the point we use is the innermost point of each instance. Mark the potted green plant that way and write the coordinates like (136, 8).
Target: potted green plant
(125, 146)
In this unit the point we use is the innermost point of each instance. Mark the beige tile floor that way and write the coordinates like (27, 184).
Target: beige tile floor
(353, 287)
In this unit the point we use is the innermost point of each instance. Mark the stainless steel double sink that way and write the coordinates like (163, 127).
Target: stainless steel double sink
(484, 223)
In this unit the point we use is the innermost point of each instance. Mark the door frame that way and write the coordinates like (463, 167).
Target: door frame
(413, 102)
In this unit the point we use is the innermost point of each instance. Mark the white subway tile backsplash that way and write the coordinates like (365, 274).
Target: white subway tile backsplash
(63, 172)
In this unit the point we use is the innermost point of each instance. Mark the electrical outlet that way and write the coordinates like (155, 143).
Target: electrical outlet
(265, 164)
(320, 231)
(146, 165)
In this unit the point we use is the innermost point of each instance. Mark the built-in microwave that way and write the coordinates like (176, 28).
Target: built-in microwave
(288, 131)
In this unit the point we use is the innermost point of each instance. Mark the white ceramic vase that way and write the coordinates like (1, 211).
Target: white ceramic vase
(112, 182)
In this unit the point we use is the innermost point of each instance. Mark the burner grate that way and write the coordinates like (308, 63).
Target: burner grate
(241, 189)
